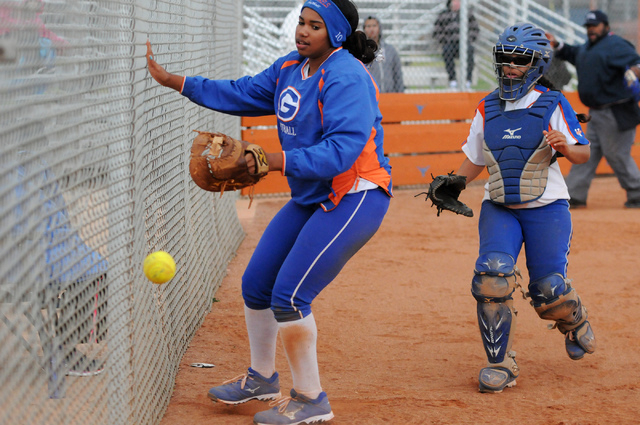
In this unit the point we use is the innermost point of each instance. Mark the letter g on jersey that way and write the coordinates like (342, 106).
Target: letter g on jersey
(288, 104)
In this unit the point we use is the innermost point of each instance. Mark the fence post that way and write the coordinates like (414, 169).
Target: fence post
(464, 40)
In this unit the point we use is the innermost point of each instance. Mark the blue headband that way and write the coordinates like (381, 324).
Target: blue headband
(337, 25)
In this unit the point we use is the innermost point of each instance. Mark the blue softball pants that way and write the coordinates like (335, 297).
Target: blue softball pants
(545, 232)
(304, 248)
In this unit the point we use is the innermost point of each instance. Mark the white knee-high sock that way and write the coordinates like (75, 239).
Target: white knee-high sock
(263, 335)
(299, 339)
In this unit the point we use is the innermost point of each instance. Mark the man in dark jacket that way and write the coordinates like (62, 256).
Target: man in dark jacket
(606, 65)
(446, 30)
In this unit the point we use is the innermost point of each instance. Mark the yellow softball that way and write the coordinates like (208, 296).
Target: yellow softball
(159, 267)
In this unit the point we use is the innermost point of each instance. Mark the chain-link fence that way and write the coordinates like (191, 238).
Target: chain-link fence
(93, 175)
(92, 179)
(440, 45)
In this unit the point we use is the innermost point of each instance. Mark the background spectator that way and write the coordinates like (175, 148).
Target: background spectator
(447, 32)
(387, 68)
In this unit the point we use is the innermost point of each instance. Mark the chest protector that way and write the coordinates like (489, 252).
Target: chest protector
(516, 153)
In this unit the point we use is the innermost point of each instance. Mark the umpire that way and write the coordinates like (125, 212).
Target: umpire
(601, 63)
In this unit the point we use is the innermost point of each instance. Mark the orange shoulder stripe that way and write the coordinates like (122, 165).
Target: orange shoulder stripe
(289, 63)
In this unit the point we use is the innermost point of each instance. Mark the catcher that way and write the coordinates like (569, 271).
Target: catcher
(517, 133)
(329, 127)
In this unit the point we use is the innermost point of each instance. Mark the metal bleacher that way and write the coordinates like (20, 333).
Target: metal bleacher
(408, 25)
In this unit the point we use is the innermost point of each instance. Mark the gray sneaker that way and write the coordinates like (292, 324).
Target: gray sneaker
(297, 409)
(250, 386)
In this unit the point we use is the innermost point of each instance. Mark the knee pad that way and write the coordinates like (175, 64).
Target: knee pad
(495, 278)
(492, 286)
(553, 298)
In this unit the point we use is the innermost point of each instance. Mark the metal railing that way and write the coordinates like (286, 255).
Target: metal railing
(408, 25)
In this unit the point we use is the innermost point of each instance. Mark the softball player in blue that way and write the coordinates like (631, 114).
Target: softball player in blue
(517, 133)
(326, 104)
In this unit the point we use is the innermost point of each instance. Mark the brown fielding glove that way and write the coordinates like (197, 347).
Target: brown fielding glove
(444, 191)
(218, 164)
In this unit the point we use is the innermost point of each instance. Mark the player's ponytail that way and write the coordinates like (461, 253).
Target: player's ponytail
(357, 43)
(544, 81)
(583, 117)
(361, 47)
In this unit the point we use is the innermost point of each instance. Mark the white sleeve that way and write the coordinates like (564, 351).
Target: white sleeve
(475, 141)
(558, 122)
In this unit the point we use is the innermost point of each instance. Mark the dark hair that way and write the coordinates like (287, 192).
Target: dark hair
(543, 81)
(357, 43)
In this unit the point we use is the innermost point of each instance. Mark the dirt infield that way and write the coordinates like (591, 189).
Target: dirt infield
(398, 340)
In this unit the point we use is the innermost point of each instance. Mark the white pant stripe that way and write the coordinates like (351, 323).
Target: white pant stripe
(364, 195)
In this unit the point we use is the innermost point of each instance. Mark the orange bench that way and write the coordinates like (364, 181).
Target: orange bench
(423, 135)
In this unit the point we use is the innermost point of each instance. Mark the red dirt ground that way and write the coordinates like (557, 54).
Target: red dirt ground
(398, 340)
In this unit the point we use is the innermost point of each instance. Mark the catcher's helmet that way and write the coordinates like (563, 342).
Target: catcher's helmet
(524, 41)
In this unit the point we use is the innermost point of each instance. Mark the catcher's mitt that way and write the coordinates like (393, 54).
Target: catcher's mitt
(218, 163)
(444, 191)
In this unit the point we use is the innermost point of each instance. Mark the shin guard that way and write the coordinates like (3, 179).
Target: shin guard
(493, 285)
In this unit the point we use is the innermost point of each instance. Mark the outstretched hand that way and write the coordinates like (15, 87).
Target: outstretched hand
(160, 74)
(552, 39)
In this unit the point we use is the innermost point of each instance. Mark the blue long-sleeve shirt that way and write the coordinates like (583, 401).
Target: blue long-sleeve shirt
(600, 67)
(329, 124)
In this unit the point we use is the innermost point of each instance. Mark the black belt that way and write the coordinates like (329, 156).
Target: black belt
(608, 105)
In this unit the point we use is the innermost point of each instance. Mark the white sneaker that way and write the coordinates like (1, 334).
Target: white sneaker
(453, 84)
(468, 85)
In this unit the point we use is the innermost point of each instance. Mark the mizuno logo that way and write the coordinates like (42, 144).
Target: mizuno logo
(292, 414)
(252, 390)
(262, 158)
(511, 134)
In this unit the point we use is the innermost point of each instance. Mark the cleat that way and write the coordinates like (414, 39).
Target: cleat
(296, 409)
(580, 341)
(495, 379)
(250, 386)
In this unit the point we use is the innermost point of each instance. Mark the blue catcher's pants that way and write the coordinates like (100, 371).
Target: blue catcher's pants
(545, 232)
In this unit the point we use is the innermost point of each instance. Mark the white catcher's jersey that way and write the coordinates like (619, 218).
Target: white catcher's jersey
(563, 119)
